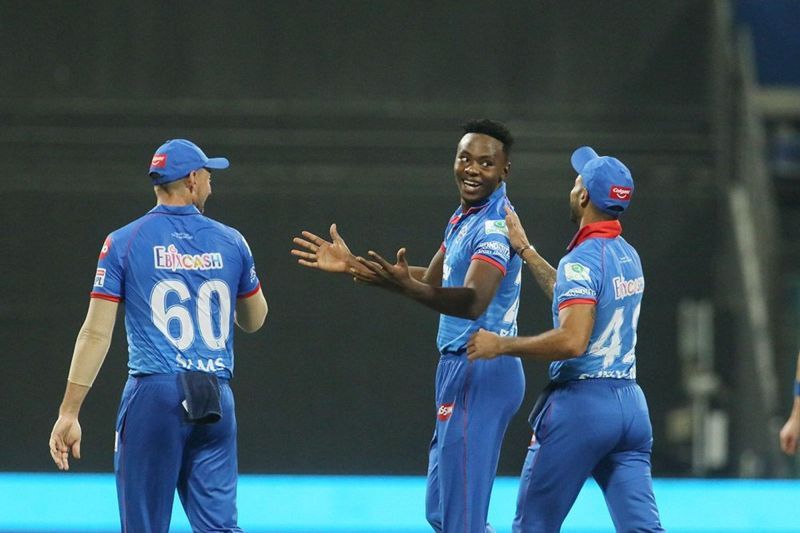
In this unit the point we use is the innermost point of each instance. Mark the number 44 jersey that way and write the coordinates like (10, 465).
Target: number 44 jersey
(601, 268)
(179, 274)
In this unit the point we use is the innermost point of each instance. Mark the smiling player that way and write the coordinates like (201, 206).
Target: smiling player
(473, 280)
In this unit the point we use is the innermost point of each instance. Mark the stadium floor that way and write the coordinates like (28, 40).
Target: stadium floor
(69, 502)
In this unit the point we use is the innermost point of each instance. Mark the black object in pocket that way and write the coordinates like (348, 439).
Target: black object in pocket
(541, 401)
(202, 400)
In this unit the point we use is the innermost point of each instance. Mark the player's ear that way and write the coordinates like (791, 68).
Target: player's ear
(583, 198)
(507, 170)
(191, 180)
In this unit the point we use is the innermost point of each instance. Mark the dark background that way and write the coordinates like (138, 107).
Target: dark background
(344, 112)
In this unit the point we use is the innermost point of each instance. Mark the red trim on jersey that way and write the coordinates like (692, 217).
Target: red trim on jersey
(249, 294)
(101, 296)
(606, 229)
(574, 301)
(442, 247)
(487, 259)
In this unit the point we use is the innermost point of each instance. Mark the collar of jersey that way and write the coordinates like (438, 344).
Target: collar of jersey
(176, 209)
(499, 193)
(605, 229)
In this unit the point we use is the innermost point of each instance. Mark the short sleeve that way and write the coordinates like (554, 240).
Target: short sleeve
(248, 281)
(109, 279)
(577, 281)
(492, 246)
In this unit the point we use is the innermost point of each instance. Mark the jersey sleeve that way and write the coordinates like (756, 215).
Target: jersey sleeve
(492, 246)
(109, 279)
(248, 281)
(577, 280)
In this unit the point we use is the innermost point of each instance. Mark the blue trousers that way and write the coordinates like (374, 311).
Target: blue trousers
(593, 427)
(474, 402)
(157, 451)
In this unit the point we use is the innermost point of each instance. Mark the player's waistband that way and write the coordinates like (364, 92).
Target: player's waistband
(166, 378)
(594, 382)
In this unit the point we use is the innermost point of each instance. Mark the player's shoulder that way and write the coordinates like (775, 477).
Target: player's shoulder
(582, 258)
(494, 221)
(224, 231)
(127, 231)
(497, 208)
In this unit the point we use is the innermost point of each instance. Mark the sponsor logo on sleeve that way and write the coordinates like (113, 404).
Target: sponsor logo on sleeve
(445, 411)
(253, 276)
(577, 272)
(106, 247)
(100, 277)
(618, 192)
(159, 161)
(495, 226)
(494, 249)
(578, 292)
(169, 258)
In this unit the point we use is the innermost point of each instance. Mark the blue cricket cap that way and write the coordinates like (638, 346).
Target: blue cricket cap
(176, 158)
(608, 181)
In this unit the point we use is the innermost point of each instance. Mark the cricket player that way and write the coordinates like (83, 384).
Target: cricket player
(473, 280)
(185, 280)
(790, 432)
(592, 420)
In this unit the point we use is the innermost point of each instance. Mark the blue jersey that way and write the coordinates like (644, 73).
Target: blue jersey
(480, 233)
(601, 268)
(179, 274)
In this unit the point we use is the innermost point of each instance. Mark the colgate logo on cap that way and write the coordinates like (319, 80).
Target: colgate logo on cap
(445, 411)
(159, 161)
(618, 192)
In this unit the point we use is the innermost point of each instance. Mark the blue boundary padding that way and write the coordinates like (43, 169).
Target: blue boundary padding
(69, 502)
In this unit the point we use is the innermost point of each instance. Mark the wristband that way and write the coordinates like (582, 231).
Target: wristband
(797, 388)
(522, 251)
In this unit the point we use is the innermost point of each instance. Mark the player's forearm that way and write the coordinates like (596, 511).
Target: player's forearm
(554, 345)
(74, 396)
(461, 302)
(542, 271)
(251, 312)
(90, 351)
(423, 274)
(796, 405)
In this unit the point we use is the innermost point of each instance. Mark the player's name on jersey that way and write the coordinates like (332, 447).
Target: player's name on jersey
(612, 374)
(627, 287)
(169, 258)
(208, 365)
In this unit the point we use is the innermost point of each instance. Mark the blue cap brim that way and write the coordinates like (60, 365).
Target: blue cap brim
(581, 156)
(217, 163)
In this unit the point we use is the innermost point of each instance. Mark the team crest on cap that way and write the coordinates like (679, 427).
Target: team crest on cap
(159, 161)
(619, 192)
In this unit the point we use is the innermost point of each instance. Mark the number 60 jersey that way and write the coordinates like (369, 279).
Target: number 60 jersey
(179, 274)
(603, 269)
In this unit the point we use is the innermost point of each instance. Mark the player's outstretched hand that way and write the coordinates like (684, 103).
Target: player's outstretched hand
(516, 233)
(65, 438)
(483, 345)
(331, 256)
(790, 434)
(384, 274)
